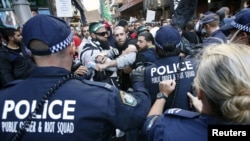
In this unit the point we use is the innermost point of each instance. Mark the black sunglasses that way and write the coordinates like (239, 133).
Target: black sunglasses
(101, 33)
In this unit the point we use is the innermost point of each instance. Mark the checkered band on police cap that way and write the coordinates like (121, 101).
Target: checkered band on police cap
(51, 30)
(241, 21)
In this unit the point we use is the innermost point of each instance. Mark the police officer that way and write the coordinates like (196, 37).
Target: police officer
(239, 28)
(53, 104)
(219, 98)
(170, 66)
(211, 26)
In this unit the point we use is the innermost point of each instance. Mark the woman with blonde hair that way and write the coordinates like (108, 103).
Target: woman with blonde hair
(222, 84)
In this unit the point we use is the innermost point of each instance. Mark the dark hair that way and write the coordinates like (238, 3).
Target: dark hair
(169, 49)
(148, 36)
(7, 32)
(190, 25)
(122, 23)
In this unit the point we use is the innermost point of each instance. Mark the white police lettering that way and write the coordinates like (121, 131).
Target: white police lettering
(187, 65)
(31, 128)
(67, 107)
(49, 127)
(58, 110)
(65, 127)
(39, 127)
(9, 126)
(168, 72)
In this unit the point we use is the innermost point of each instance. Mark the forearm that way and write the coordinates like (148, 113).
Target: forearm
(158, 107)
(111, 63)
(126, 60)
(166, 87)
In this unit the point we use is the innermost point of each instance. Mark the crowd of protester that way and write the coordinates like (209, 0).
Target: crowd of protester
(125, 81)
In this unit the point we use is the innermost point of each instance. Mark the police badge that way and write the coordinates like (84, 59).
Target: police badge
(128, 99)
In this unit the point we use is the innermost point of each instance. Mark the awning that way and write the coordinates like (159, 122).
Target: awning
(129, 4)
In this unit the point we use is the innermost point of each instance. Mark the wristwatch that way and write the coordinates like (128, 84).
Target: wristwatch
(161, 95)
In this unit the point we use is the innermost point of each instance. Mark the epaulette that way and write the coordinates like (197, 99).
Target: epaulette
(181, 113)
(100, 84)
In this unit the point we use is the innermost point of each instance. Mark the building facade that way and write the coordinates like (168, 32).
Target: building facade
(138, 8)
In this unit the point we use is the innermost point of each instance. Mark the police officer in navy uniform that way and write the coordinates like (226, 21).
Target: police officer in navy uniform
(54, 104)
(218, 102)
(211, 26)
(167, 44)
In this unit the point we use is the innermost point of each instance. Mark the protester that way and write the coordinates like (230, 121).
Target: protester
(109, 28)
(170, 66)
(15, 62)
(85, 37)
(54, 104)
(223, 99)
(146, 50)
(126, 56)
(88, 56)
(131, 30)
(98, 43)
(124, 24)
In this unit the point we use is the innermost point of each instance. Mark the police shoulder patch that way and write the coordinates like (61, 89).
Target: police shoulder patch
(128, 99)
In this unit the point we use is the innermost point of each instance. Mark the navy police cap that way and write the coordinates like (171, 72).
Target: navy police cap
(51, 30)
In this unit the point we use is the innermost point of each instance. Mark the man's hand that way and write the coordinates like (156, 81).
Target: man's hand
(101, 59)
(101, 67)
(82, 70)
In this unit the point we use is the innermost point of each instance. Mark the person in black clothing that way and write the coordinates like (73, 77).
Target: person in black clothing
(146, 50)
(15, 62)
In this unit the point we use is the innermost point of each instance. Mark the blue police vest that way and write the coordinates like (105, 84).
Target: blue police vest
(166, 69)
(77, 111)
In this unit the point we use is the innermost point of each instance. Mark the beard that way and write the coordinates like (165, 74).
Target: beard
(19, 43)
(104, 44)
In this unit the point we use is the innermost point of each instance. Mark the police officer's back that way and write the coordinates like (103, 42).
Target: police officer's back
(216, 101)
(167, 43)
(64, 106)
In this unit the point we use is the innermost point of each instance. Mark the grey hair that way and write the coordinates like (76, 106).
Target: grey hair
(224, 77)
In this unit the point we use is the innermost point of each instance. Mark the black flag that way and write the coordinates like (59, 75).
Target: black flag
(182, 11)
